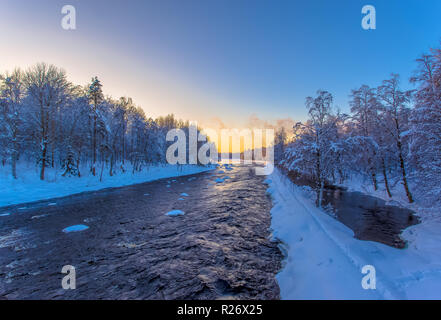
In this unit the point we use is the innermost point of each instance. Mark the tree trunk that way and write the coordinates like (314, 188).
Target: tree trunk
(14, 154)
(374, 181)
(386, 181)
(111, 164)
(94, 139)
(14, 166)
(320, 194)
(78, 166)
(102, 170)
(403, 172)
(43, 161)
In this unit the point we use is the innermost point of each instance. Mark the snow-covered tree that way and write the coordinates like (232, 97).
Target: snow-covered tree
(315, 148)
(11, 94)
(395, 115)
(96, 97)
(47, 89)
(425, 130)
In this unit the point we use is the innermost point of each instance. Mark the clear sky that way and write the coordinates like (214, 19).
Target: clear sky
(221, 59)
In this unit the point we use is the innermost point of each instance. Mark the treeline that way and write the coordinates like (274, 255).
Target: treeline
(50, 121)
(391, 136)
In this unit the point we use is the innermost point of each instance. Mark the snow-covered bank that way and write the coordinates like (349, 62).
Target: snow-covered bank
(425, 207)
(324, 260)
(28, 187)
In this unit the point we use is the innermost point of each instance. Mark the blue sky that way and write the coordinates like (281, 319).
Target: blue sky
(224, 60)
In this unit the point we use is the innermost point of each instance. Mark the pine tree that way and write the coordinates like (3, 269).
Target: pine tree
(96, 97)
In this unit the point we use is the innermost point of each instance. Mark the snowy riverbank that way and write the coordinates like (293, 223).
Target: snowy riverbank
(324, 260)
(28, 187)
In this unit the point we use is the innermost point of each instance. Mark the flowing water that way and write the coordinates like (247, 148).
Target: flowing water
(219, 248)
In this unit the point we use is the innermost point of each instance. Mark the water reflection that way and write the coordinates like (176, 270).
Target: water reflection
(369, 217)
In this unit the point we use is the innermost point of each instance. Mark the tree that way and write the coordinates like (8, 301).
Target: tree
(364, 108)
(425, 120)
(314, 150)
(279, 144)
(395, 115)
(47, 89)
(96, 97)
(11, 94)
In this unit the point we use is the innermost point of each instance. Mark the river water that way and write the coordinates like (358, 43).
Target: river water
(369, 217)
(219, 248)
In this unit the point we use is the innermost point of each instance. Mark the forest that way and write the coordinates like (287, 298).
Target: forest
(391, 136)
(51, 122)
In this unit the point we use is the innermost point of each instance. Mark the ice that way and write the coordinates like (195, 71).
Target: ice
(175, 213)
(75, 228)
(39, 216)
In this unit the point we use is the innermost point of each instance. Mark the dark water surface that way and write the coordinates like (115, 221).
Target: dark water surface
(369, 217)
(220, 248)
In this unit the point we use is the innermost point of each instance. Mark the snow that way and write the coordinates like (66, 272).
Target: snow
(28, 187)
(39, 216)
(75, 228)
(324, 260)
(175, 213)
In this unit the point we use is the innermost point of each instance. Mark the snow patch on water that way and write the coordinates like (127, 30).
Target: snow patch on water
(39, 216)
(75, 228)
(175, 213)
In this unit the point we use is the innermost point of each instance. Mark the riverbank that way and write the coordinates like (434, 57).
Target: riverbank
(28, 187)
(324, 260)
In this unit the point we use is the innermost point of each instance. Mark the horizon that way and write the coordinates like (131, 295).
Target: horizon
(238, 64)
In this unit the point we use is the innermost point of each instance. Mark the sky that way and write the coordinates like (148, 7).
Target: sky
(229, 63)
